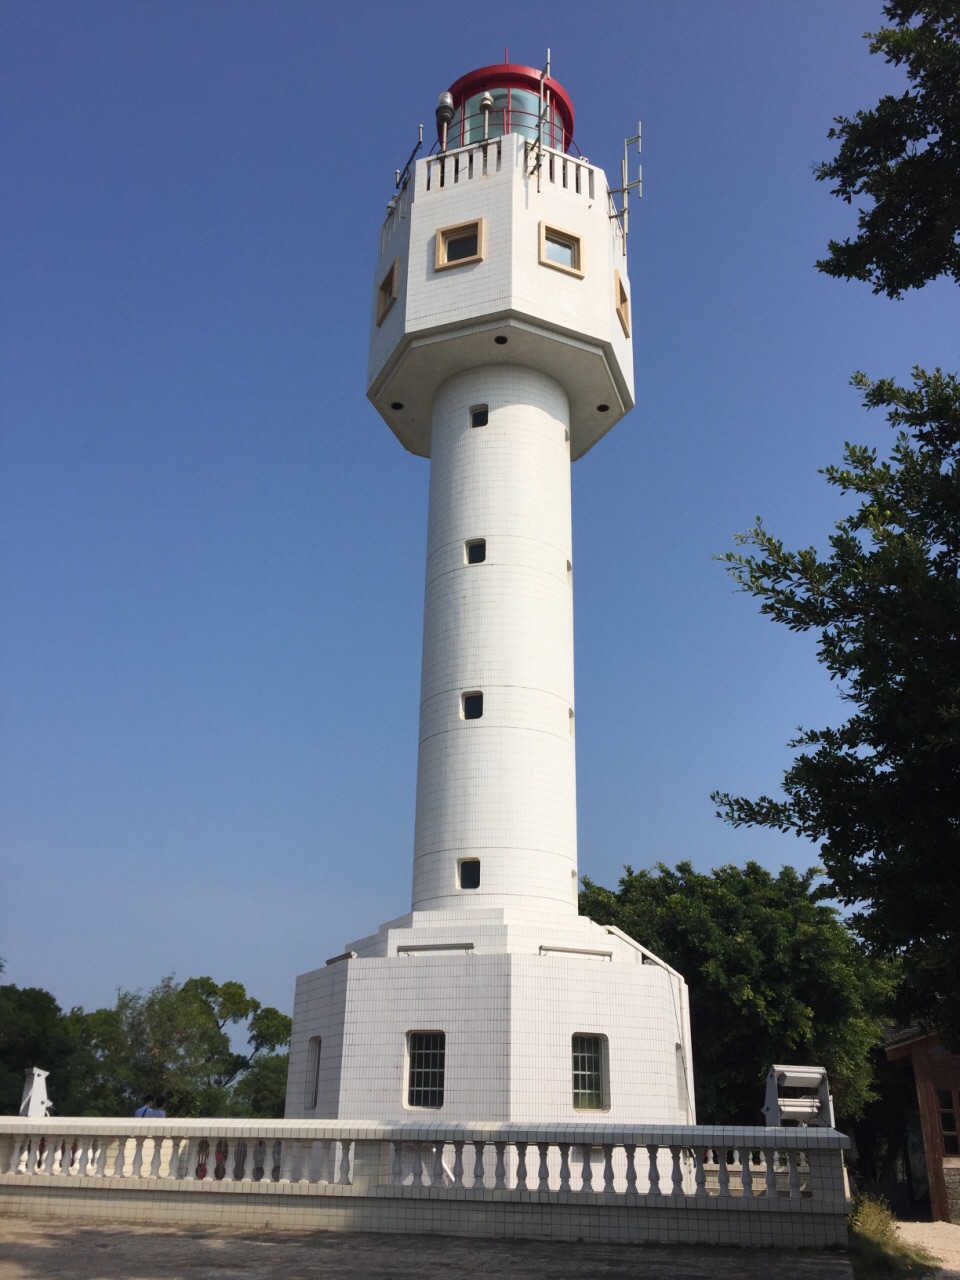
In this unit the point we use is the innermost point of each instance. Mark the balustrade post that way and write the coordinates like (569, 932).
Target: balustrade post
(631, 1151)
(521, 1166)
(100, 1163)
(14, 1155)
(770, 1157)
(500, 1172)
(586, 1169)
(564, 1148)
(478, 1176)
(417, 1164)
(700, 1178)
(120, 1163)
(137, 1164)
(83, 1153)
(51, 1150)
(653, 1174)
(192, 1157)
(344, 1174)
(677, 1171)
(458, 1164)
(396, 1173)
(173, 1169)
(746, 1174)
(287, 1155)
(543, 1183)
(793, 1161)
(156, 1157)
(723, 1173)
(608, 1168)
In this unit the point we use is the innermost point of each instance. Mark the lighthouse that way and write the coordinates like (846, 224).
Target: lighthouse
(500, 350)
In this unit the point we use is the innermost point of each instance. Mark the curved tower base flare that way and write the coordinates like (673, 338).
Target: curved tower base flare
(500, 349)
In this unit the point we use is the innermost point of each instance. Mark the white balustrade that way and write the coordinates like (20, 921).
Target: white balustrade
(669, 1167)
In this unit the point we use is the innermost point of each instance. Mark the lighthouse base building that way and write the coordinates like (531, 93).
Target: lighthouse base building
(492, 1015)
(500, 349)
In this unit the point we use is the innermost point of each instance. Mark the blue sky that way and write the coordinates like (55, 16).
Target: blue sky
(212, 548)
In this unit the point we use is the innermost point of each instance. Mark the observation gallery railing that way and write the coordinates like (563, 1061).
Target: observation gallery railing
(747, 1186)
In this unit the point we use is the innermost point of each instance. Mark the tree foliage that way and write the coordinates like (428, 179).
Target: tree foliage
(881, 792)
(175, 1040)
(903, 158)
(773, 973)
(35, 1032)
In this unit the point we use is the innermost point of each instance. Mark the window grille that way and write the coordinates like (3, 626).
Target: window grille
(588, 1073)
(425, 1079)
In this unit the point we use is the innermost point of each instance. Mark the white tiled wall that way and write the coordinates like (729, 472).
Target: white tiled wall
(501, 788)
(509, 1008)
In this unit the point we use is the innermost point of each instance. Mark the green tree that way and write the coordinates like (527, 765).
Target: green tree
(773, 973)
(903, 158)
(35, 1032)
(175, 1040)
(881, 792)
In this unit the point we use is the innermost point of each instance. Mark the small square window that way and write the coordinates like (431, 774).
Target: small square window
(458, 246)
(622, 303)
(561, 250)
(476, 550)
(479, 415)
(426, 1053)
(469, 873)
(472, 706)
(589, 1073)
(387, 293)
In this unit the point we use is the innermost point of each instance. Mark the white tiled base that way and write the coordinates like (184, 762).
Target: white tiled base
(552, 1216)
(509, 1008)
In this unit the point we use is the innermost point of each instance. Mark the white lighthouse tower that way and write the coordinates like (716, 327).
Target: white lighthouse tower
(500, 349)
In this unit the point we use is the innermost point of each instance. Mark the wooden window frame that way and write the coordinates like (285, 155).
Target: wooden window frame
(548, 229)
(446, 234)
(388, 292)
(622, 303)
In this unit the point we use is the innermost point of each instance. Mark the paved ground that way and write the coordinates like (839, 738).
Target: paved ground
(942, 1239)
(93, 1251)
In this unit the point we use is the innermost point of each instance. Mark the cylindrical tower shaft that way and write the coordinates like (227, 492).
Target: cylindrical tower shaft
(496, 791)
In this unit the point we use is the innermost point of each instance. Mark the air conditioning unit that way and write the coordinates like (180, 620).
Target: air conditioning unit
(798, 1095)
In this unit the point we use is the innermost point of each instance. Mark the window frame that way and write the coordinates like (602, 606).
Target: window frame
(388, 291)
(468, 546)
(311, 1083)
(453, 232)
(409, 1086)
(549, 230)
(603, 1071)
(467, 888)
(470, 693)
(621, 303)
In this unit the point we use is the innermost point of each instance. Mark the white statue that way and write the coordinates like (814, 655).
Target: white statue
(35, 1104)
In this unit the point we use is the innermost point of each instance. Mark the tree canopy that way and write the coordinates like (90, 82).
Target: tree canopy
(902, 159)
(174, 1039)
(773, 973)
(35, 1032)
(881, 791)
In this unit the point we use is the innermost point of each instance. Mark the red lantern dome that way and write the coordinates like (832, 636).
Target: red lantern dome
(515, 108)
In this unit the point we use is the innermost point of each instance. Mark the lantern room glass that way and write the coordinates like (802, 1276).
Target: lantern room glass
(513, 111)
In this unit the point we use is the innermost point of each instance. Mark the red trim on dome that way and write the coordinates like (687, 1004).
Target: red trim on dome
(510, 75)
